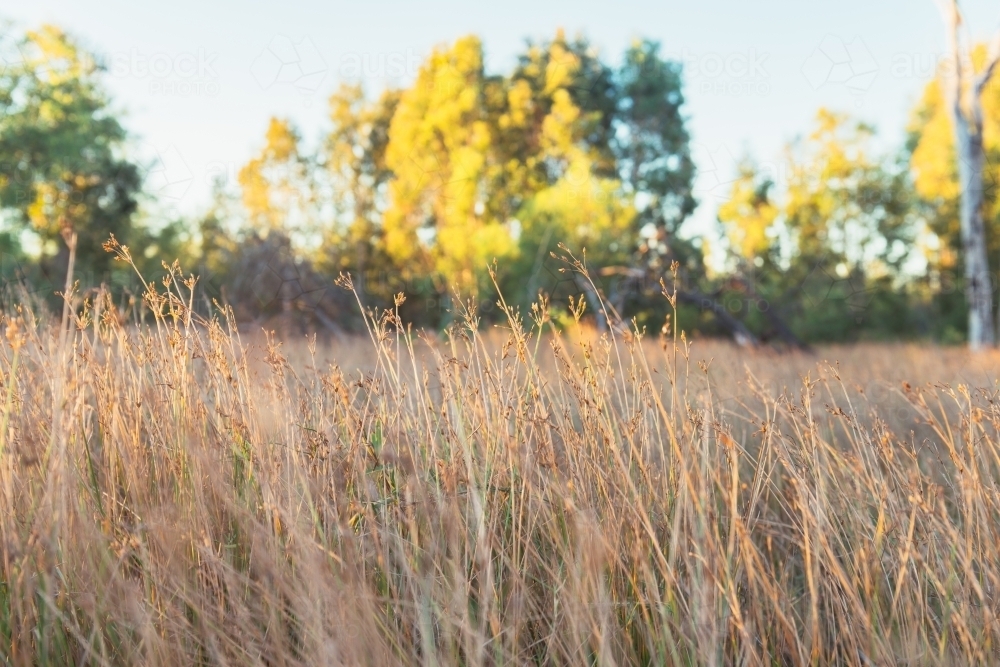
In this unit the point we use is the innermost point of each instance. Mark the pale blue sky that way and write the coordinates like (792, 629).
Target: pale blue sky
(199, 79)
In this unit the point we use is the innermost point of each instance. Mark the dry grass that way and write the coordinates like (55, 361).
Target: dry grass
(173, 496)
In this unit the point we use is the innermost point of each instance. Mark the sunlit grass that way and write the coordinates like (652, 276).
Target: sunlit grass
(176, 495)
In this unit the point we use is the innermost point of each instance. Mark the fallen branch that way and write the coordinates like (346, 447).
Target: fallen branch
(739, 331)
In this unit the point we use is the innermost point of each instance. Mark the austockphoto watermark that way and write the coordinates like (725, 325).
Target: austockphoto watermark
(736, 74)
(20, 277)
(289, 63)
(165, 174)
(926, 66)
(393, 66)
(185, 74)
(226, 173)
(21, 196)
(946, 282)
(841, 62)
(719, 168)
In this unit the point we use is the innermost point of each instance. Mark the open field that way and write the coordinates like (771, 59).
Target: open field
(175, 494)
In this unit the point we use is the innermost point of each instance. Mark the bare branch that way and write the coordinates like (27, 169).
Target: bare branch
(991, 63)
(953, 75)
(739, 331)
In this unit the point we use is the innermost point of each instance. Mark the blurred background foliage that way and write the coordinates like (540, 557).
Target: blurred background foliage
(419, 190)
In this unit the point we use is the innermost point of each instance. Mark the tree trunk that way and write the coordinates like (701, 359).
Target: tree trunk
(968, 121)
(978, 287)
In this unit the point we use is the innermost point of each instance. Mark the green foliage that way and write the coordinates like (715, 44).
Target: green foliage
(432, 183)
(419, 191)
(61, 164)
(826, 254)
(354, 160)
(844, 204)
(651, 142)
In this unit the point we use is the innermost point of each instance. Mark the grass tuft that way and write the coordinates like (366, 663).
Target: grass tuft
(175, 494)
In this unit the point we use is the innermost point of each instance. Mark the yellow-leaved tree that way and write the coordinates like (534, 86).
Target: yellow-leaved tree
(439, 142)
(277, 186)
(572, 194)
(748, 216)
(844, 204)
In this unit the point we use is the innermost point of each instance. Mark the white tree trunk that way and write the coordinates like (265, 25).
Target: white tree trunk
(978, 287)
(968, 121)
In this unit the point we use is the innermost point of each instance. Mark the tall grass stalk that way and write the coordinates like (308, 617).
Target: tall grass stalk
(485, 497)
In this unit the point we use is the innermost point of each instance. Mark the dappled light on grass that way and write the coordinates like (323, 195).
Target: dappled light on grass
(176, 494)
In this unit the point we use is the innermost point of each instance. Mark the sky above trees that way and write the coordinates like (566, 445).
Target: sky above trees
(199, 81)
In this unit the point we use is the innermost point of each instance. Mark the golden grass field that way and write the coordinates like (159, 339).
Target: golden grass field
(177, 493)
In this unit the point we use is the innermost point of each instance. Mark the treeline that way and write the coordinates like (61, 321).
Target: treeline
(471, 182)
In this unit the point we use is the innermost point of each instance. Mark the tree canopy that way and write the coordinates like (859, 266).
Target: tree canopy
(423, 190)
(62, 163)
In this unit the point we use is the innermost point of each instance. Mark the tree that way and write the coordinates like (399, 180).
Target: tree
(835, 239)
(560, 150)
(439, 140)
(844, 204)
(354, 158)
(934, 165)
(749, 215)
(61, 152)
(651, 143)
(556, 176)
(278, 187)
(565, 109)
(963, 89)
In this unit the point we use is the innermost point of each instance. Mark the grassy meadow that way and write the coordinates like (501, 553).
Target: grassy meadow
(180, 492)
